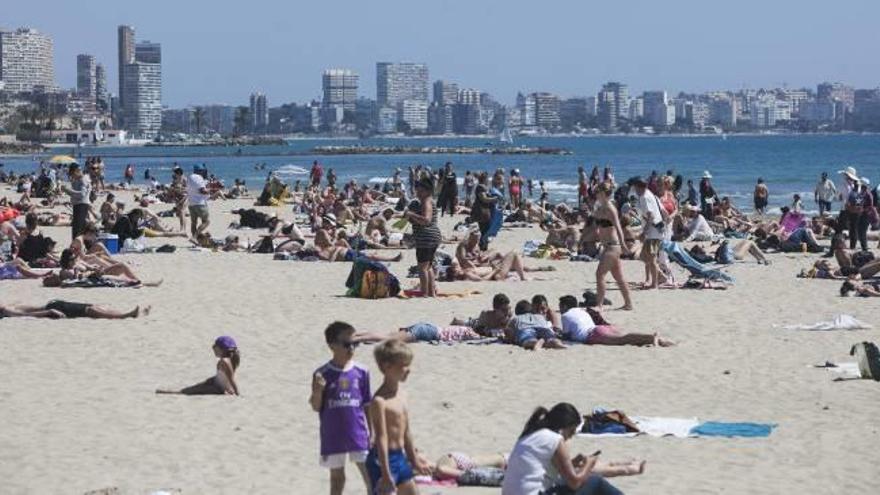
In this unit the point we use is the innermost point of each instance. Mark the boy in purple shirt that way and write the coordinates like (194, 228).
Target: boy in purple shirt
(340, 395)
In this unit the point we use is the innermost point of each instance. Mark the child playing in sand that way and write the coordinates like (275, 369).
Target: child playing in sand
(531, 331)
(391, 460)
(223, 383)
(340, 395)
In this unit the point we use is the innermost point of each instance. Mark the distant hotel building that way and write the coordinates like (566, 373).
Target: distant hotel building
(445, 93)
(546, 110)
(414, 113)
(142, 87)
(612, 105)
(86, 77)
(125, 48)
(148, 53)
(26, 61)
(396, 82)
(259, 112)
(657, 110)
(340, 89)
(102, 96)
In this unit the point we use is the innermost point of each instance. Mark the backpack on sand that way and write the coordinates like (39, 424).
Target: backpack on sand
(868, 357)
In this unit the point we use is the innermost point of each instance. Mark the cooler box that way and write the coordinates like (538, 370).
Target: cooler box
(110, 241)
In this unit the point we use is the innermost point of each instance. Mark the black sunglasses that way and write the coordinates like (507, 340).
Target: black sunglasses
(349, 344)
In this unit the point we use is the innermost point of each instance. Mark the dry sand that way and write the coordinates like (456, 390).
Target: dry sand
(79, 413)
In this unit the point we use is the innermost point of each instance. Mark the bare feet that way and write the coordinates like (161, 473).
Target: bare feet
(625, 307)
(661, 342)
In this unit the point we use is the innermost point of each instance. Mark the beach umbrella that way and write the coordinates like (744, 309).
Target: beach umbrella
(62, 159)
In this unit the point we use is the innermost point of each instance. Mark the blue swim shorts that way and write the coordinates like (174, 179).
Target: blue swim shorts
(401, 472)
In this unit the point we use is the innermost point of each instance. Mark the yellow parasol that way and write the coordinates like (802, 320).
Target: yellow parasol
(62, 159)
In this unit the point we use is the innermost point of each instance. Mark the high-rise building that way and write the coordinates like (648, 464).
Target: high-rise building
(866, 110)
(125, 52)
(606, 110)
(658, 111)
(469, 97)
(26, 61)
(102, 96)
(445, 92)
(767, 111)
(636, 109)
(259, 112)
(414, 113)
(440, 119)
(612, 104)
(86, 79)
(142, 86)
(723, 111)
(526, 105)
(546, 110)
(386, 120)
(396, 82)
(573, 113)
(148, 53)
(836, 91)
(340, 89)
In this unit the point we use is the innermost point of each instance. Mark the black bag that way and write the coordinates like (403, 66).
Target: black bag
(862, 258)
(868, 357)
(265, 245)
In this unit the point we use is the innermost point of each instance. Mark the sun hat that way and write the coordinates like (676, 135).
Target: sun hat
(865, 181)
(849, 172)
(706, 174)
(225, 342)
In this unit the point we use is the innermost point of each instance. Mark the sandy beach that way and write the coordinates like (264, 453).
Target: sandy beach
(79, 411)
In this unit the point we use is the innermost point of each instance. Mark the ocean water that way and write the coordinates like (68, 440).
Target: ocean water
(788, 164)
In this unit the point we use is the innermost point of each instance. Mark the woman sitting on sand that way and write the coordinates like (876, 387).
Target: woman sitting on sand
(73, 267)
(223, 382)
(64, 309)
(541, 458)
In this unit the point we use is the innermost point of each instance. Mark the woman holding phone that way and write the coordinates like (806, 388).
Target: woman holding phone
(542, 451)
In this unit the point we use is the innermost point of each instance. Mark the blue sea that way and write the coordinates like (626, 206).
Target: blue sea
(789, 164)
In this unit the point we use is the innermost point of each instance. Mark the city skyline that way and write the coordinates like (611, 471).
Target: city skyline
(284, 58)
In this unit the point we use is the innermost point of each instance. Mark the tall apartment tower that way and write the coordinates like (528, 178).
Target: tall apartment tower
(125, 51)
(396, 82)
(142, 86)
(102, 96)
(340, 89)
(26, 61)
(86, 76)
(259, 112)
(445, 93)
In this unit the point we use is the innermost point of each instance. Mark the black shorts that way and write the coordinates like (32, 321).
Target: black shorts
(69, 309)
(425, 255)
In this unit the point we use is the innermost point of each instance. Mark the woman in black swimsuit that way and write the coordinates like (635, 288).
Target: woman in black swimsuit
(613, 245)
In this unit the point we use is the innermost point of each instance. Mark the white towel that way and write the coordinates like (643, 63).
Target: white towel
(656, 427)
(840, 322)
(846, 370)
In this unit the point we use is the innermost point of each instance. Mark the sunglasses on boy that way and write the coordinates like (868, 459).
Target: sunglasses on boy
(348, 344)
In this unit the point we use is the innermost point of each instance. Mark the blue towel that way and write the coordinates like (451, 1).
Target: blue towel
(716, 429)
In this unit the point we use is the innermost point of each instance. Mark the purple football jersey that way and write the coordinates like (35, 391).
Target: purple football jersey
(343, 409)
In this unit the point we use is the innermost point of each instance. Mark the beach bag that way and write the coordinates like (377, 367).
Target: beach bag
(371, 280)
(868, 358)
(265, 245)
(862, 258)
(616, 422)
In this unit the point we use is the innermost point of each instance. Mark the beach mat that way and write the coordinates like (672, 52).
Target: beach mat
(690, 428)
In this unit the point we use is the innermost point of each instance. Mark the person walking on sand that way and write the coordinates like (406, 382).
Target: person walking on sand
(824, 193)
(197, 194)
(650, 209)
(426, 234)
(761, 196)
(80, 191)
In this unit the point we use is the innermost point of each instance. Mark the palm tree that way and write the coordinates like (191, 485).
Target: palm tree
(199, 118)
(242, 120)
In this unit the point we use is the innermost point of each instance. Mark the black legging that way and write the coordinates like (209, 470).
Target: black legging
(858, 229)
(80, 219)
(484, 240)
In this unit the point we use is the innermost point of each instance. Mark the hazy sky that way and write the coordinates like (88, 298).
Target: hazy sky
(220, 51)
